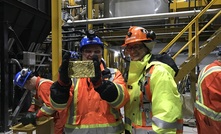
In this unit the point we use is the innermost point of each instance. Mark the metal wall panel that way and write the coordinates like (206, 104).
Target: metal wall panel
(119, 8)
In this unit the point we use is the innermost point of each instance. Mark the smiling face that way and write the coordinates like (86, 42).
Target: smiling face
(136, 50)
(90, 50)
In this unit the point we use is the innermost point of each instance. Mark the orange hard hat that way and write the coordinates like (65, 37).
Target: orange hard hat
(136, 34)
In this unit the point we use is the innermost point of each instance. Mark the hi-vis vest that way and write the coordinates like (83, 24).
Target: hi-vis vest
(84, 121)
(38, 101)
(199, 105)
(139, 111)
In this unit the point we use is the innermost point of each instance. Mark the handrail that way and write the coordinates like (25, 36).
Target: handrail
(187, 27)
(197, 34)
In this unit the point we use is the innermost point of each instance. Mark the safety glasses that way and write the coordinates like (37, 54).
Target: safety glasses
(135, 47)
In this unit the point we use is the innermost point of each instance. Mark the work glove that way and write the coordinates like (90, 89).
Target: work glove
(106, 74)
(64, 79)
(105, 88)
(28, 118)
(97, 79)
(74, 55)
(108, 91)
(59, 94)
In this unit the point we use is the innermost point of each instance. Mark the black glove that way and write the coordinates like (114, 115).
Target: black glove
(106, 74)
(29, 117)
(64, 79)
(97, 79)
(59, 94)
(108, 91)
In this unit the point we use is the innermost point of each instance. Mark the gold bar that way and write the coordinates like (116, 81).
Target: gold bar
(81, 69)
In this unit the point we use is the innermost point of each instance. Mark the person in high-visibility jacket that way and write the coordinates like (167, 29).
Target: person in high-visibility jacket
(155, 104)
(40, 106)
(208, 99)
(93, 103)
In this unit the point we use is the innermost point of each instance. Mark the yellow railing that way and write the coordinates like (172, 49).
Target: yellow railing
(184, 4)
(195, 53)
(197, 32)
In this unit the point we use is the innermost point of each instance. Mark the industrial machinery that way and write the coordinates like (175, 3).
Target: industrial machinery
(34, 33)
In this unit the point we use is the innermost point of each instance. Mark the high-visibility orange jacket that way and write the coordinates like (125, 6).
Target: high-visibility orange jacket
(41, 102)
(87, 111)
(208, 100)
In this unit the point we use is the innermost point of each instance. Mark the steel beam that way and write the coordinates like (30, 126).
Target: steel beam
(56, 37)
(4, 102)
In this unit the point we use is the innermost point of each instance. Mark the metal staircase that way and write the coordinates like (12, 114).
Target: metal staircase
(204, 50)
(196, 53)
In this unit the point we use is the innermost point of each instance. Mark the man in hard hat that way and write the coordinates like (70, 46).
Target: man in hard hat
(94, 103)
(155, 105)
(40, 89)
(208, 98)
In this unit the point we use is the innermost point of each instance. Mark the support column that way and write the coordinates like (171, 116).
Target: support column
(89, 13)
(56, 37)
(4, 115)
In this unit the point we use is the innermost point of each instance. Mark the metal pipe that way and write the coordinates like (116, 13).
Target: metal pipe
(72, 7)
(16, 37)
(158, 34)
(147, 26)
(17, 62)
(121, 37)
(18, 108)
(140, 17)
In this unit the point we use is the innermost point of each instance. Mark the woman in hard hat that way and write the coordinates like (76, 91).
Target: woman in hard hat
(155, 105)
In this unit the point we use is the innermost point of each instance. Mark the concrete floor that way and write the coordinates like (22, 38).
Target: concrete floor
(186, 130)
(189, 127)
(189, 130)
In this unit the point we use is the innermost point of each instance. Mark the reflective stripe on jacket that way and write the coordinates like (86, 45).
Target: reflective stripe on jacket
(36, 102)
(88, 113)
(42, 95)
(43, 92)
(208, 99)
(160, 109)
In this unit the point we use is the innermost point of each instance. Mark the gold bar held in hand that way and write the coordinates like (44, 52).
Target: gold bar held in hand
(81, 69)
